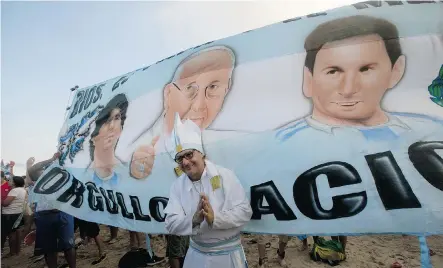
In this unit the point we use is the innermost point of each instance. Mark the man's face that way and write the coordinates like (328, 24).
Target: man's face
(191, 162)
(350, 77)
(200, 92)
(110, 132)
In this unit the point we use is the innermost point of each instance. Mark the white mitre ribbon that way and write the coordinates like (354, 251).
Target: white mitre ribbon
(185, 135)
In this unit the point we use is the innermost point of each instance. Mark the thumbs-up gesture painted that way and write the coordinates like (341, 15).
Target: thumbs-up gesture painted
(142, 160)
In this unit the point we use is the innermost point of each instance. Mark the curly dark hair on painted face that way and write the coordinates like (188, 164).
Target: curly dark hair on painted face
(348, 27)
(18, 181)
(119, 101)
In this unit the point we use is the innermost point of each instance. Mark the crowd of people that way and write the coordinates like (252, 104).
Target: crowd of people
(52, 231)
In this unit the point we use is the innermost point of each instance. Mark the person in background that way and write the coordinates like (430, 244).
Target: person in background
(114, 232)
(341, 238)
(29, 214)
(5, 186)
(55, 229)
(135, 241)
(37, 255)
(12, 212)
(176, 248)
(91, 230)
(150, 250)
(8, 169)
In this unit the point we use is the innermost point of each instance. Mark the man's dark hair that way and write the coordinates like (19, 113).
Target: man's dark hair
(18, 181)
(343, 28)
(118, 101)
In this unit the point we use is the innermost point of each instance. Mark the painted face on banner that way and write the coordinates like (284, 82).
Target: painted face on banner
(350, 77)
(201, 89)
(110, 132)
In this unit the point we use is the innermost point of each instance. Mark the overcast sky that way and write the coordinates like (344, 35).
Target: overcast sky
(48, 47)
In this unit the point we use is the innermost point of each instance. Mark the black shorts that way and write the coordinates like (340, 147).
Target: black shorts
(89, 229)
(8, 221)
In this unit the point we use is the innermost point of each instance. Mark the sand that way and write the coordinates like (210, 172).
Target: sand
(364, 251)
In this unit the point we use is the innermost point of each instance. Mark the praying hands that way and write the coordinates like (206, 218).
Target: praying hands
(208, 212)
(198, 215)
(204, 211)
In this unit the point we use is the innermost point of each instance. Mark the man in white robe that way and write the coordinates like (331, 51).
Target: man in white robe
(207, 202)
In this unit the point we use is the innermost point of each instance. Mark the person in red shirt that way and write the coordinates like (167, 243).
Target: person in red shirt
(5, 186)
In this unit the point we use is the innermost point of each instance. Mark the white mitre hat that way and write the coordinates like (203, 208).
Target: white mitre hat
(185, 135)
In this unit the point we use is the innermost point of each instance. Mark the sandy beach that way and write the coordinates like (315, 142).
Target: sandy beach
(376, 251)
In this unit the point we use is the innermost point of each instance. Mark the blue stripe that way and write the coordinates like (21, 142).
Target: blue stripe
(424, 253)
(421, 116)
(219, 252)
(216, 244)
(225, 251)
(292, 133)
(292, 125)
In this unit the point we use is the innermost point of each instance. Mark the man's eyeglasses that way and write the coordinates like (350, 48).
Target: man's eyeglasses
(214, 90)
(187, 156)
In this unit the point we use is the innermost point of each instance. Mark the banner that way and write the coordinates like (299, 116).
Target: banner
(333, 122)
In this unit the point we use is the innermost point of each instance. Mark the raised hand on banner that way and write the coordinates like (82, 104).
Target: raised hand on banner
(11, 165)
(142, 160)
(56, 156)
(30, 162)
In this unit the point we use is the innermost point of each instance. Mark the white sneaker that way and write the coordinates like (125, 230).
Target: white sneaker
(281, 259)
(282, 263)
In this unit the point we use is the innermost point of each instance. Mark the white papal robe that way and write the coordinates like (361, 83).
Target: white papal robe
(219, 245)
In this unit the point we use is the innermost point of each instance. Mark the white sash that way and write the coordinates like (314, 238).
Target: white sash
(231, 247)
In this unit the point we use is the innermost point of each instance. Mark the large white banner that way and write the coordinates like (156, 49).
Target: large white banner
(333, 123)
